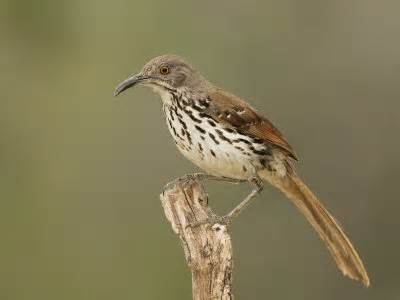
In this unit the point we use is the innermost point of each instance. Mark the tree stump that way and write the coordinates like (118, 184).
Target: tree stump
(208, 249)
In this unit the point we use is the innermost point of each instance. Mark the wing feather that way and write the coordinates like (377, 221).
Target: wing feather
(236, 113)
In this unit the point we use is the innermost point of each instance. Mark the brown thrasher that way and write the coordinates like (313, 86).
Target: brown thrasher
(230, 140)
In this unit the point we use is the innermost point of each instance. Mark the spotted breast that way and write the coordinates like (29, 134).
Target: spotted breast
(215, 148)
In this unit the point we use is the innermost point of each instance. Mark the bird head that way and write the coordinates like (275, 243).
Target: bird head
(164, 73)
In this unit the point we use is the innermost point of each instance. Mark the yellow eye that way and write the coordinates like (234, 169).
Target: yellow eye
(164, 70)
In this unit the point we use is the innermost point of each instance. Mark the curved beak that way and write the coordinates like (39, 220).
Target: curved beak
(126, 84)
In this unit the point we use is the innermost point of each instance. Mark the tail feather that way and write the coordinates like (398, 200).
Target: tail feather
(338, 244)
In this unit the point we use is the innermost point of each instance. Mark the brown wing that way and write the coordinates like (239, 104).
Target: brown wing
(236, 113)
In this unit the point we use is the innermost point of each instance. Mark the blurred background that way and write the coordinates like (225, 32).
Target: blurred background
(81, 172)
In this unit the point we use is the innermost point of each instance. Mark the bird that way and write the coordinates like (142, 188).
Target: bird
(230, 140)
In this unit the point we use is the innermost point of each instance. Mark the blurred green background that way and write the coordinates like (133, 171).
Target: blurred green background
(80, 171)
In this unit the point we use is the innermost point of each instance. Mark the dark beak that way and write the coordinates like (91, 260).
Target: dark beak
(126, 84)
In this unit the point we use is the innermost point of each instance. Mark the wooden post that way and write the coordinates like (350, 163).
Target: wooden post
(208, 249)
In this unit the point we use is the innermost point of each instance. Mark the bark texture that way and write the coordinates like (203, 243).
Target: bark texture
(208, 249)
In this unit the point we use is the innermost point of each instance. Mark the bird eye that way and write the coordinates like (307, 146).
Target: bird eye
(164, 70)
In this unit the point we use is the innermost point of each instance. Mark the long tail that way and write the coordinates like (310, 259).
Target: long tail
(339, 245)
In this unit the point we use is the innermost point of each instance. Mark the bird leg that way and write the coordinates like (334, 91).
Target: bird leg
(258, 186)
(227, 219)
